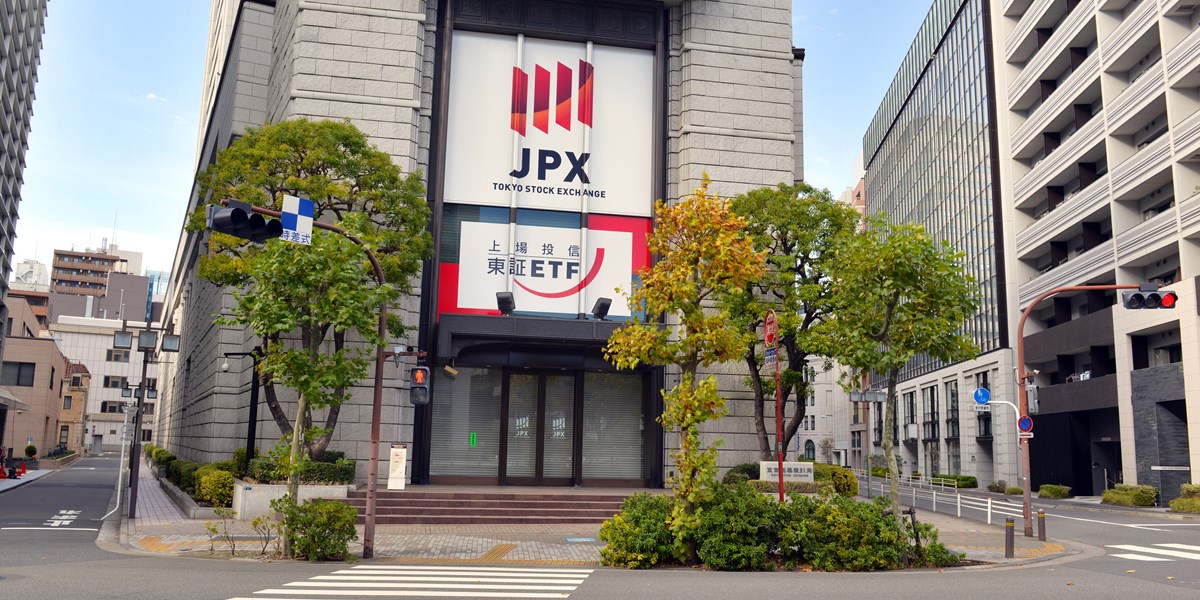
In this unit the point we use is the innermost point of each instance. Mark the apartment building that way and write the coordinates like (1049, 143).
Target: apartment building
(1100, 118)
(672, 91)
(35, 374)
(22, 24)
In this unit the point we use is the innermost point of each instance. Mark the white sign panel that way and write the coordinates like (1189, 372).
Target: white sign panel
(551, 123)
(549, 267)
(768, 470)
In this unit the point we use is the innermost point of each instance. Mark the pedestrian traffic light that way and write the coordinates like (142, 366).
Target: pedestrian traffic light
(418, 386)
(1150, 299)
(237, 219)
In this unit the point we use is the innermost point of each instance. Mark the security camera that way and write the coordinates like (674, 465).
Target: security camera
(225, 366)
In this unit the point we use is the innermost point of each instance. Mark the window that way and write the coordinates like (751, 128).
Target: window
(910, 407)
(66, 403)
(147, 435)
(117, 356)
(76, 381)
(63, 432)
(52, 378)
(111, 406)
(17, 373)
(148, 409)
(112, 381)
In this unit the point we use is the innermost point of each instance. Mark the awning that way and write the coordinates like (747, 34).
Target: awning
(9, 400)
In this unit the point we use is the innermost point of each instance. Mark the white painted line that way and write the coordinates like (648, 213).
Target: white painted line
(1180, 547)
(47, 529)
(460, 578)
(451, 586)
(464, 568)
(462, 573)
(426, 593)
(1148, 550)
(1140, 557)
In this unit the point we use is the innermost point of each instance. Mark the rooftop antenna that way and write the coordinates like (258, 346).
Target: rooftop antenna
(114, 233)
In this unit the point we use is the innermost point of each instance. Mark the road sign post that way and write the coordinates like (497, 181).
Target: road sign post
(771, 340)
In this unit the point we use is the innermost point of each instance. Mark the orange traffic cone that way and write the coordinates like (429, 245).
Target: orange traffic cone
(22, 471)
(2, 475)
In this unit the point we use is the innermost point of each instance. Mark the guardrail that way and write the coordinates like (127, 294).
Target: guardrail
(945, 500)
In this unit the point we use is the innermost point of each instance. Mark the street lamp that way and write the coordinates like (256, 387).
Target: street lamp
(147, 341)
(252, 426)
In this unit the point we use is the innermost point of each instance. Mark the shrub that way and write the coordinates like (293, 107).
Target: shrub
(180, 473)
(318, 529)
(1130, 495)
(742, 472)
(264, 470)
(737, 529)
(879, 472)
(229, 466)
(638, 537)
(959, 481)
(30, 451)
(164, 458)
(844, 482)
(916, 475)
(834, 533)
(931, 552)
(216, 487)
(1013, 490)
(1054, 492)
(1186, 504)
(1189, 490)
(789, 487)
(239, 458)
(997, 486)
(328, 473)
(329, 456)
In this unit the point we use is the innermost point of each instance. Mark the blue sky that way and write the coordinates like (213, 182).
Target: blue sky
(112, 150)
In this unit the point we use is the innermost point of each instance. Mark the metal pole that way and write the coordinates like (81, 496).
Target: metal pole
(252, 426)
(134, 458)
(1041, 525)
(1008, 537)
(1023, 396)
(869, 452)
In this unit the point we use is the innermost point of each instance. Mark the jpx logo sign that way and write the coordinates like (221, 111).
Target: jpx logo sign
(566, 94)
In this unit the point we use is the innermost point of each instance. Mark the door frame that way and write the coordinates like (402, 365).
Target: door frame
(538, 478)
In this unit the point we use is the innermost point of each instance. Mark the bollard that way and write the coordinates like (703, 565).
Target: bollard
(989, 511)
(1041, 522)
(1008, 537)
(934, 500)
(959, 510)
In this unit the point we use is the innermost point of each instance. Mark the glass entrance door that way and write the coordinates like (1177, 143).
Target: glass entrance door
(540, 447)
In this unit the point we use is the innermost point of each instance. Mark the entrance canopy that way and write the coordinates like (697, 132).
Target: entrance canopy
(11, 401)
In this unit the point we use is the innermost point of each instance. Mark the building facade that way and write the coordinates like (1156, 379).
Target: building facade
(1101, 106)
(931, 158)
(545, 130)
(22, 24)
(36, 373)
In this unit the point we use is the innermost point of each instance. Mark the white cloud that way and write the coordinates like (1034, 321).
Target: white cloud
(833, 11)
(155, 97)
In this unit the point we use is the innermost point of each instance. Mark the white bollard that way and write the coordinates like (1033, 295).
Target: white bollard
(934, 500)
(959, 512)
(989, 511)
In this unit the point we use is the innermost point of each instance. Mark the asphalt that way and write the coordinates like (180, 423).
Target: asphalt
(161, 529)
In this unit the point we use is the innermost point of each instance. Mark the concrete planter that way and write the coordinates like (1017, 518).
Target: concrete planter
(252, 500)
(58, 463)
(186, 504)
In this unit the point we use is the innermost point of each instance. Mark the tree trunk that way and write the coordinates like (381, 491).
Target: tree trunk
(764, 441)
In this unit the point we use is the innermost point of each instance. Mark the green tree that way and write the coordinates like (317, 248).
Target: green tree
(797, 226)
(704, 252)
(304, 301)
(897, 294)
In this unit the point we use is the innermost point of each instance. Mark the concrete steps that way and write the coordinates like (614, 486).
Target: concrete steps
(415, 507)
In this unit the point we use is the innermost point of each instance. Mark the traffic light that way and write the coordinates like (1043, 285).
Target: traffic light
(418, 386)
(237, 219)
(1150, 299)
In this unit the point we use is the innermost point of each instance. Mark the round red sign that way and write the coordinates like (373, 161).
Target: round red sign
(770, 329)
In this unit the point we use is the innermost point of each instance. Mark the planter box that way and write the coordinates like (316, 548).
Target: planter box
(252, 500)
(58, 463)
(186, 504)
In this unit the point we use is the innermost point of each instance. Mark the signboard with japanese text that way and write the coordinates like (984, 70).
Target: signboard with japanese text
(552, 125)
(768, 470)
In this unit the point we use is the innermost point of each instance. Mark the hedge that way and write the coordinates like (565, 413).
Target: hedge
(1054, 492)
(1131, 495)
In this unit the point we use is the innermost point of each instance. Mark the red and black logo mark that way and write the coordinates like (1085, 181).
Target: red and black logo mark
(564, 96)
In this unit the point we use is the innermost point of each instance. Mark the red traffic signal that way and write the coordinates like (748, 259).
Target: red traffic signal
(1150, 299)
(418, 386)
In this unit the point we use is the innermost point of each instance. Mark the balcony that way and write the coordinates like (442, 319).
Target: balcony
(1132, 28)
(1069, 153)
(1059, 101)
(80, 277)
(1150, 85)
(1147, 236)
(1186, 137)
(1189, 216)
(1036, 66)
(1143, 165)
(1089, 394)
(1025, 27)
(1074, 336)
(1184, 58)
(1081, 204)
(1085, 267)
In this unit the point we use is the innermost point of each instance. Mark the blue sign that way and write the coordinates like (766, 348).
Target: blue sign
(982, 396)
(297, 219)
(1025, 423)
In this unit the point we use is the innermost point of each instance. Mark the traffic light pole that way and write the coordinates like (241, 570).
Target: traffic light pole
(1023, 395)
(377, 402)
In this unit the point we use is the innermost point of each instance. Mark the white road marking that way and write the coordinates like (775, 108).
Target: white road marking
(464, 581)
(476, 579)
(518, 570)
(1140, 557)
(47, 529)
(1180, 547)
(464, 594)
(1150, 550)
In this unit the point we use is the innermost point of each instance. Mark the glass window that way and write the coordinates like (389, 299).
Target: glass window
(18, 373)
(63, 433)
(466, 423)
(66, 403)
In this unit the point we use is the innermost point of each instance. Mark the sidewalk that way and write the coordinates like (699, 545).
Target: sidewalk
(161, 529)
(8, 484)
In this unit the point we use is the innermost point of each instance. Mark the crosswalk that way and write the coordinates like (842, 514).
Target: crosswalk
(422, 581)
(1157, 552)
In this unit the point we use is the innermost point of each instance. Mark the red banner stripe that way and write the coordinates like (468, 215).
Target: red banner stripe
(541, 99)
(562, 113)
(586, 75)
(520, 98)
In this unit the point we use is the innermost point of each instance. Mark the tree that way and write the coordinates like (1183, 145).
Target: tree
(797, 226)
(305, 301)
(704, 252)
(896, 294)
